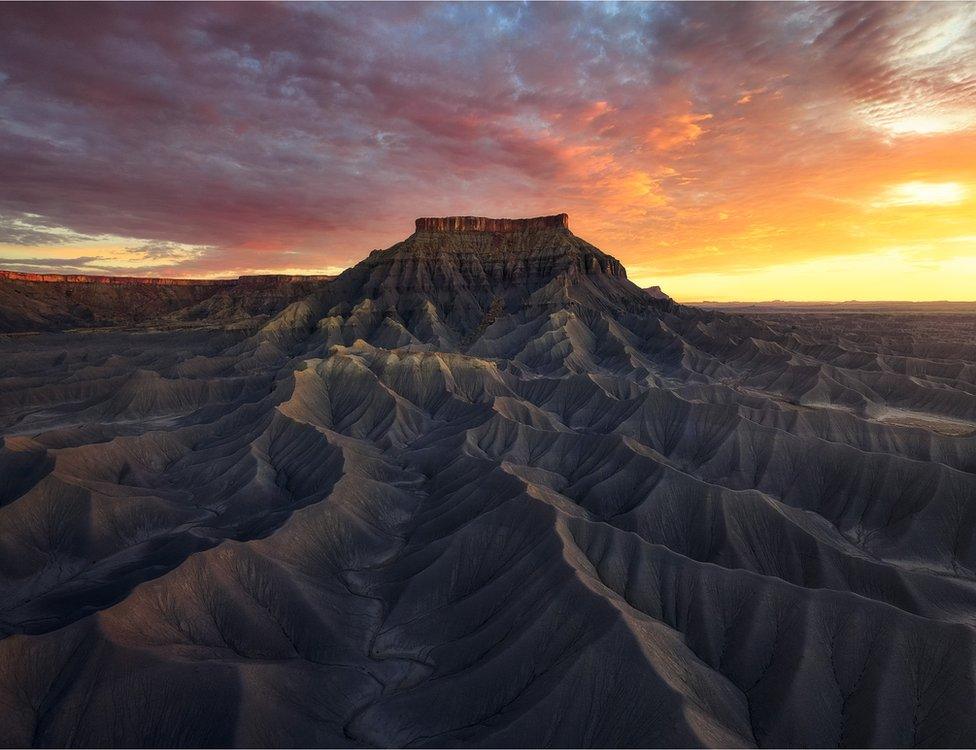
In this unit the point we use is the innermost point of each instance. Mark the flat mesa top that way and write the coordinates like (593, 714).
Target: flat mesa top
(485, 224)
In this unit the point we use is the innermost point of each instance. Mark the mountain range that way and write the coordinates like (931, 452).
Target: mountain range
(480, 489)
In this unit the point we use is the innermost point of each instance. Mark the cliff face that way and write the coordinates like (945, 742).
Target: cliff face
(484, 224)
(59, 278)
(475, 248)
(280, 278)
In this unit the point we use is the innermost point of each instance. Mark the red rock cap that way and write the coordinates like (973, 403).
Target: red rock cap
(484, 224)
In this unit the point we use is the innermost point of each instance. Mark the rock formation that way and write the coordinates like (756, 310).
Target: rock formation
(484, 224)
(657, 293)
(482, 490)
(31, 302)
(59, 278)
(51, 278)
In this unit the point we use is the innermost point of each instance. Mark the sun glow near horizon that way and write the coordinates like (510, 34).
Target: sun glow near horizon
(897, 275)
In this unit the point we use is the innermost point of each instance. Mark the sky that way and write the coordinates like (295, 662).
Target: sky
(750, 151)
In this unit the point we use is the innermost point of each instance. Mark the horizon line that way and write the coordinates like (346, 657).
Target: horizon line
(95, 278)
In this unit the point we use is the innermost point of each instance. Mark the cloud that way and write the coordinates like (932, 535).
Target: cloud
(678, 131)
(32, 230)
(80, 264)
(169, 252)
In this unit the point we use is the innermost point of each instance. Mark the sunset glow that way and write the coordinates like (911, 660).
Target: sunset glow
(730, 152)
(918, 193)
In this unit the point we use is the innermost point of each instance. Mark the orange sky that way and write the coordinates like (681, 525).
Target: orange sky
(731, 152)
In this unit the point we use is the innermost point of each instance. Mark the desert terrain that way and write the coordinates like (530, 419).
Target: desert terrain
(481, 490)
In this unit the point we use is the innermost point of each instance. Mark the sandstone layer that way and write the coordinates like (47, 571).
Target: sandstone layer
(484, 224)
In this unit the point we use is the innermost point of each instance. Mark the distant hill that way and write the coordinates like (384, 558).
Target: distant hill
(930, 306)
(657, 293)
(48, 302)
